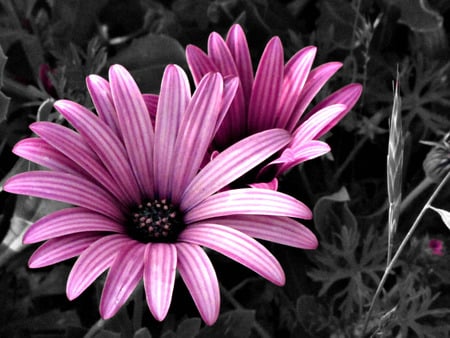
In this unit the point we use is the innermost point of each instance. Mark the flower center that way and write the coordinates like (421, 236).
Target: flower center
(155, 221)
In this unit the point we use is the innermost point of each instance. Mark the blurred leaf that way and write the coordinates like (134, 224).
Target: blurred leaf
(107, 334)
(232, 324)
(142, 333)
(445, 215)
(49, 283)
(147, 57)
(418, 16)
(4, 100)
(331, 213)
(312, 315)
(336, 22)
(188, 328)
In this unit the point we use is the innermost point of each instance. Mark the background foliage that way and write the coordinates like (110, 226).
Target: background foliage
(47, 49)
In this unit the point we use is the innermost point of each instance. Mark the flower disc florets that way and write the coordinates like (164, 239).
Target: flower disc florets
(155, 221)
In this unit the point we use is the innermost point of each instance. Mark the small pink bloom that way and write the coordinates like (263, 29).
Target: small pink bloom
(278, 96)
(142, 208)
(436, 246)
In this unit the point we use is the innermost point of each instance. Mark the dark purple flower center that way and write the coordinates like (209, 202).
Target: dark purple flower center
(155, 221)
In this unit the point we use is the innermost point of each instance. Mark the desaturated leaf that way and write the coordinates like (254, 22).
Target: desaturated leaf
(107, 334)
(232, 324)
(331, 213)
(146, 58)
(188, 328)
(4, 100)
(142, 333)
(417, 15)
(445, 215)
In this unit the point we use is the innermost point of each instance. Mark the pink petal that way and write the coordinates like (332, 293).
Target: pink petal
(101, 97)
(136, 126)
(173, 100)
(105, 144)
(316, 80)
(151, 102)
(66, 188)
(248, 201)
(124, 274)
(237, 44)
(38, 151)
(230, 88)
(160, 264)
(59, 249)
(304, 152)
(69, 221)
(196, 131)
(267, 87)
(200, 278)
(199, 63)
(237, 246)
(282, 230)
(93, 262)
(295, 75)
(272, 185)
(317, 123)
(64, 140)
(347, 96)
(233, 163)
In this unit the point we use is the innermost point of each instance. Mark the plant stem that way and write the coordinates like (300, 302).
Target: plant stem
(426, 182)
(95, 328)
(401, 247)
(350, 157)
(230, 298)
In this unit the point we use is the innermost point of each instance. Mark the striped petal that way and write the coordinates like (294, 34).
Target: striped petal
(151, 102)
(123, 276)
(101, 97)
(294, 156)
(316, 80)
(230, 86)
(248, 201)
(199, 63)
(66, 188)
(237, 44)
(160, 264)
(237, 246)
(196, 132)
(173, 100)
(282, 230)
(135, 124)
(61, 139)
(233, 163)
(69, 221)
(267, 87)
(105, 144)
(38, 151)
(59, 249)
(313, 127)
(93, 262)
(295, 75)
(347, 96)
(200, 278)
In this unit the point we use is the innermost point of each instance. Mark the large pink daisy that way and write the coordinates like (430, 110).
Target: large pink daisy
(141, 206)
(276, 97)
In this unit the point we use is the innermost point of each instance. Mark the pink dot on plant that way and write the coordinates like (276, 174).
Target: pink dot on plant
(436, 246)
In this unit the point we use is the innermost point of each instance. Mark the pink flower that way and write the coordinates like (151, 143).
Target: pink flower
(141, 207)
(436, 246)
(276, 97)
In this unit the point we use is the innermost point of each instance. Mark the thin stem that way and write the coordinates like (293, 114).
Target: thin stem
(230, 298)
(95, 328)
(401, 247)
(426, 182)
(350, 157)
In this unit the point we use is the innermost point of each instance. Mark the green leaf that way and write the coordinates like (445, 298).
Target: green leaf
(232, 324)
(146, 58)
(445, 215)
(4, 100)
